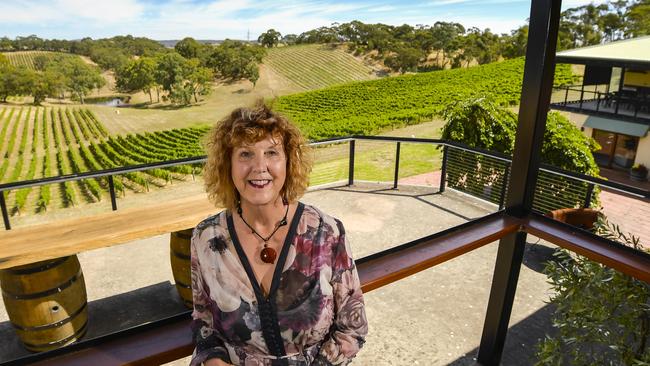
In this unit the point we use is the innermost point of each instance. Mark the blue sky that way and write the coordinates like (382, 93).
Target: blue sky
(219, 19)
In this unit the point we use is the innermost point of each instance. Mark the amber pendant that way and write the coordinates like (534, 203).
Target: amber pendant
(268, 255)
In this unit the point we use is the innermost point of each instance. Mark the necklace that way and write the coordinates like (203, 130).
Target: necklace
(267, 255)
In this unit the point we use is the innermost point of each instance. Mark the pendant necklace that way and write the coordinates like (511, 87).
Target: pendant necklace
(267, 255)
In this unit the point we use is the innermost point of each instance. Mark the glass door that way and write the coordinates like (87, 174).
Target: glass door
(607, 142)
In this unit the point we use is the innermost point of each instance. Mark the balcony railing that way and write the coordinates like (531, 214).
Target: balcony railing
(598, 100)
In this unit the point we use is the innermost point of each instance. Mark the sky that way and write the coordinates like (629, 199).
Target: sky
(244, 19)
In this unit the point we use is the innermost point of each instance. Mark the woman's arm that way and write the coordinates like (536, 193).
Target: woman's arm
(350, 327)
(210, 349)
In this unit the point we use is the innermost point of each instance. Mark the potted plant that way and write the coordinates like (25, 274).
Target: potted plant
(639, 172)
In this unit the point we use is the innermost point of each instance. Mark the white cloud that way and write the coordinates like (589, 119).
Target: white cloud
(69, 11)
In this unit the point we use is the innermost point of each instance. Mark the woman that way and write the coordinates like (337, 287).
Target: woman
(273, 279)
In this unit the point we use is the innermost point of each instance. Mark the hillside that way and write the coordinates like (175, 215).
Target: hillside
(26, 58)
(372, 106)
(316, 66)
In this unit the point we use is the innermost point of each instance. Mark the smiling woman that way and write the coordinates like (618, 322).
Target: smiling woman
(273, 279)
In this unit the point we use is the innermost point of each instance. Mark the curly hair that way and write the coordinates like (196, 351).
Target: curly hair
(248, 126)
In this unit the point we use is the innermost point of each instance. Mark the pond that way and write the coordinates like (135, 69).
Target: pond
(110, 101)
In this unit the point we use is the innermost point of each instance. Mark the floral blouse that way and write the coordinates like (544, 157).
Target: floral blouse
(313, 315)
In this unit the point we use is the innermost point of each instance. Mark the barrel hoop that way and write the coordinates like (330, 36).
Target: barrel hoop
(183, 285)
(77, 334)
(182, 235)
(51, 291)
(44, 267)
(181, 255)
(52, 325)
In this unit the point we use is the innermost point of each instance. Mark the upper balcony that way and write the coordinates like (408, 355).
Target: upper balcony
(615, 82)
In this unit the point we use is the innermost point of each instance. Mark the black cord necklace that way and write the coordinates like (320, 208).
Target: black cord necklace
(267, 255)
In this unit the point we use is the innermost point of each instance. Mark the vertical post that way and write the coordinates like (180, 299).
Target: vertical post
(582, 94)
(598, 101)
(396, 165)
(443, 170)
(504, 187)
(590, 193)
(621, 82)
(535, 98)
(111, 189)
(566, 95)
(5, 213)
(351, 164)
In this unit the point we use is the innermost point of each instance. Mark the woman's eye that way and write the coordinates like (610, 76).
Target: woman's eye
(272, 153)
(245, 154)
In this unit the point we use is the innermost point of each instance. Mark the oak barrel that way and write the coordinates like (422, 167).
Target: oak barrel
(584, 218)
(46, 302)
(180, 260)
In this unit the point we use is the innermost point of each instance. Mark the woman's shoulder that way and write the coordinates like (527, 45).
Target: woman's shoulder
(327, 221)
(214, 221)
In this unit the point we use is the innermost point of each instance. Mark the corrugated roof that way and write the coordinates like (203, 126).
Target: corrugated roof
(635, 50)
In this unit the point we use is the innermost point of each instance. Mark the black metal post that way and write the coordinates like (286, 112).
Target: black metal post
(536, 91)
(590, 193)
(399, 144)
(566, 95)
(351, 164)
(5, 212)
(443, 170)
(598, 101)
(582, 93)
(504, 187)
(111, 189)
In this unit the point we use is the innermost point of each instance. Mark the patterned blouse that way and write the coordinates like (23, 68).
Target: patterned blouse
(313, 315)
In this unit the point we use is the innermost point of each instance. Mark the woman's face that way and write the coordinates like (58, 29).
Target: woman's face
(259, 171)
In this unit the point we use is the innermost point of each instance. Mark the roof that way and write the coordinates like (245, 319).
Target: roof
(618, 126)
(634, 52)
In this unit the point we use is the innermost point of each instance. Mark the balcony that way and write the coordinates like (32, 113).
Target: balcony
(629, 105)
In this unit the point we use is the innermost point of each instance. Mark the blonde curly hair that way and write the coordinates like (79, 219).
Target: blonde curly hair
(248, 126)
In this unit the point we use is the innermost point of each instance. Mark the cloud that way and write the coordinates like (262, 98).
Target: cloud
(64, 11)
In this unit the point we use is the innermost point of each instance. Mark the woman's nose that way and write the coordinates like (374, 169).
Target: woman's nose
(259, 163)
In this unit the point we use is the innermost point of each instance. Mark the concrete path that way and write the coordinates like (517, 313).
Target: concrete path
(432, 318)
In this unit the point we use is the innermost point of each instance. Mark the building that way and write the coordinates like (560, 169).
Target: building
(614, 96)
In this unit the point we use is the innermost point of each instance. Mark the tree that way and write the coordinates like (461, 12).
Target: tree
(137, 75)
(404, 59)
(638, 16)
(515, 44)
(601, 315)
(200, 79)
(231, 59)
(80, 77)
(189, 48)
(269, 38)
(8, 79)
(41, 84)
(446, 36)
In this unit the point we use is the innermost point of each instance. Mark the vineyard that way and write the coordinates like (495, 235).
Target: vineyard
(26, 58)
(37, 142)
(316, 66)
(372, 106)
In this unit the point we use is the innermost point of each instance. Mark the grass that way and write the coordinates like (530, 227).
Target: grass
(375, 161)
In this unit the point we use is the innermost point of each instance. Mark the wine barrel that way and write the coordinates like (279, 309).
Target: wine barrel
(584, 218)
(179, 244)
(46, 302)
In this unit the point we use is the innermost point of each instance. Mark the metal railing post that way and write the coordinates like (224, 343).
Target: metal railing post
(111, 189)
(504, 187)
(566, 95)
(443, 170)
(589, 195)
(396, 165)
(582, 94)
(351, 164)
(5, 212)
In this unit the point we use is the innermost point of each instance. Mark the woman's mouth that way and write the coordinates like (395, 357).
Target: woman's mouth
(259, 183)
